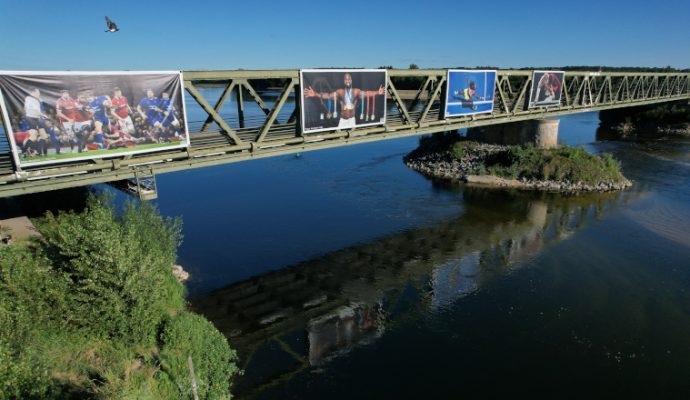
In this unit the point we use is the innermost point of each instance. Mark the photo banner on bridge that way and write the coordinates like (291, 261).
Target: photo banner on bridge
(547, 88)
(469, 92)
(54, 117)
(335, 99)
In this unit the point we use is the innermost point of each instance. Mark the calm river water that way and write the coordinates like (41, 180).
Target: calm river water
(342, 274)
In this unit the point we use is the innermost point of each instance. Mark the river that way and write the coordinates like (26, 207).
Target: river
(342, 274)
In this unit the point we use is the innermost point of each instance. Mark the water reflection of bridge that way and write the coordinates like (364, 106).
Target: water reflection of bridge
(322, 308)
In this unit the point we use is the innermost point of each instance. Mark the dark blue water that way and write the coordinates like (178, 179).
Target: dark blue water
(343, 274)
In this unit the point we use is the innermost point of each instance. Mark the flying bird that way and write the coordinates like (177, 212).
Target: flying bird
(112, 27)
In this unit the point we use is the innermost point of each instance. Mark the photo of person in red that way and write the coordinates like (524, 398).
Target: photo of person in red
(547, 87)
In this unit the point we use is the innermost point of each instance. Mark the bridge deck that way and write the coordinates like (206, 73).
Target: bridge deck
(220, 136)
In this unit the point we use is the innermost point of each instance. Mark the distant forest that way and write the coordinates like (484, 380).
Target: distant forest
(414, 82)
(612, 69)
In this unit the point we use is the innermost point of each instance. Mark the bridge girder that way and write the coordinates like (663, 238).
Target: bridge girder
(219, 139)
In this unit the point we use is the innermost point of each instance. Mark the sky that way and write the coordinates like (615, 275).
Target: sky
(232, 34)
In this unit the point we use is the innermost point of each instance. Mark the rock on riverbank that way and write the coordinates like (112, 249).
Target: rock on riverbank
(180, 274)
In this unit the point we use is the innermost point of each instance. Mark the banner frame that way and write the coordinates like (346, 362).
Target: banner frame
(302, 113)
(9, 131)
(529, 102)
(493, 100)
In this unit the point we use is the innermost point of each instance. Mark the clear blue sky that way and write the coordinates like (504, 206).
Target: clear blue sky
(232, 34)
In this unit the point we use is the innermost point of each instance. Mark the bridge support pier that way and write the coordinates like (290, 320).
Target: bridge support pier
(543, 133)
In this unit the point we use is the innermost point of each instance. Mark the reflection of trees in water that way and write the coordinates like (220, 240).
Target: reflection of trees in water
(321, 308)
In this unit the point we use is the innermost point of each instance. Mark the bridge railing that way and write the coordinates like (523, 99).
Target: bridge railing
(240, 115)
(418, 108)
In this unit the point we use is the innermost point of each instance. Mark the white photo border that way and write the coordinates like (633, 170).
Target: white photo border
(445, 106)
(9, 132)
(531, 104)
(343, 70)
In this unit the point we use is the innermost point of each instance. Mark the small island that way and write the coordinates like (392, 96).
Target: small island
(449, 156)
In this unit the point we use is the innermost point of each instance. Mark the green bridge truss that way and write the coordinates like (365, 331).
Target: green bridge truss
(222, 139)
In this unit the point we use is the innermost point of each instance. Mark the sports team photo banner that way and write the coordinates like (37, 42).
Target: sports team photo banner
(53, 117)
(547, 88)
(469, 92)
(335, 99)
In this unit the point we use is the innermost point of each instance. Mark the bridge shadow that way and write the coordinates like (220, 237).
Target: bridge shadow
(37, 204)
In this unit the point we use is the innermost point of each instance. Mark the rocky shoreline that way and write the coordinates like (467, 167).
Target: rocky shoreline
(629, 128)
(470, 168)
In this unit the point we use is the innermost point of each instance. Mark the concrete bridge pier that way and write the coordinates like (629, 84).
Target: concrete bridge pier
(537, 213)
(543, 133)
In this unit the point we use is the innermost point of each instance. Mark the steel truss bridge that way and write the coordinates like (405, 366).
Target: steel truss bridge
(221, 138)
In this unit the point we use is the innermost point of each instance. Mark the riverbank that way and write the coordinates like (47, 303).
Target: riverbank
(629, 128)
(15, 226)
(565, 169)
(668, 119)
(95, 309)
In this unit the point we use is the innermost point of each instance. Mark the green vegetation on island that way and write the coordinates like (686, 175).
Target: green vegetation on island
(451, 156)
(91, 310)
(564, 163)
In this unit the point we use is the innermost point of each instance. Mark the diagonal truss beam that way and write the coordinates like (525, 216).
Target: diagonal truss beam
(420, 92)
(519, 102)
(289, 88)
(432, 98)
(398, 102)
(502, 95)
(255, 96)
(601, 91)
(212, 112)
(226, 92)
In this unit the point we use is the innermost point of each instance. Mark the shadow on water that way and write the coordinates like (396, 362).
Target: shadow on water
(304, 316)
(36, 205)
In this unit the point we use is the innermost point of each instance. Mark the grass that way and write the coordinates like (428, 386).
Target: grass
(572, 164)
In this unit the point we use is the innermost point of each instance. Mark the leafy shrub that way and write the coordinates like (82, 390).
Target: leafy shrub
(82, 313)
(22, 374)
(460, 149)
(191, 335)
(30, 296)
(573, 164)
(117, 268)
(437, 141)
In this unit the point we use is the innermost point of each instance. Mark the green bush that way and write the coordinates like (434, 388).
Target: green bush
(22, 374)
(437, 141)
(30, 296)
(189, 335)
(118, 268)
(573, 164)
(459, 149)
(31, 292)
(86, 310)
